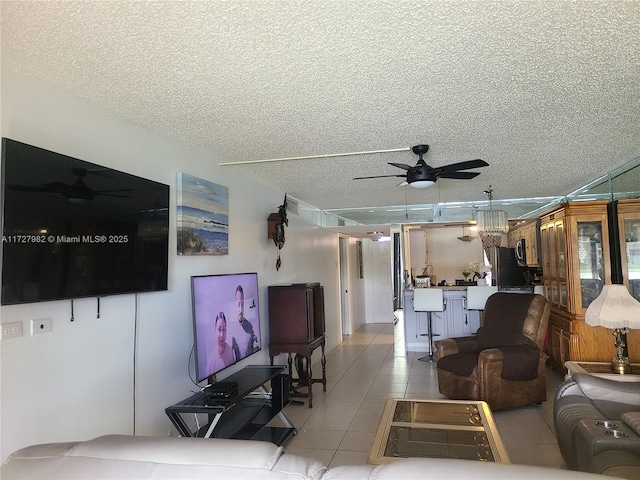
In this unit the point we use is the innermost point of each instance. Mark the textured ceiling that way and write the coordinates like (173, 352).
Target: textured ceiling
(545, 91)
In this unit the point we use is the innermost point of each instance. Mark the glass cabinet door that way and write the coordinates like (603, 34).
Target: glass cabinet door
(591, 260)
(552, 250)
(561, 255)
(544, 239)
(631, 252)
(562, 267)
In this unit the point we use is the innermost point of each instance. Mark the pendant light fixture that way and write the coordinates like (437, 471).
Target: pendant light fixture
(492, 222)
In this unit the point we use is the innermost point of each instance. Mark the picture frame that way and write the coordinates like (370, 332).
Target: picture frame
(202, 219)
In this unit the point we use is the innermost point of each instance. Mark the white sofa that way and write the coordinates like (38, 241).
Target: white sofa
(127, 457)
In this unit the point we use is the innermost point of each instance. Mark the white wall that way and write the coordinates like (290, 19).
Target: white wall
(78, 381)
(447, 254)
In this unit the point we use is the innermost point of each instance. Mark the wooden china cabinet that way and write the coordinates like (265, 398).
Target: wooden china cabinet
(297, 326)
(574, 241)
(629, 228)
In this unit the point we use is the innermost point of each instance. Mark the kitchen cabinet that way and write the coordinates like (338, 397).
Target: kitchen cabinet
(576, 264)
(531, 235)
(513, 236)
(529, 231)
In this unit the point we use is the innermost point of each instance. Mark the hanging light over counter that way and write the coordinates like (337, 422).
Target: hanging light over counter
(492, 222)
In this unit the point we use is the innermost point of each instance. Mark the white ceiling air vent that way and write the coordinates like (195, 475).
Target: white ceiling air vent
(292, 206)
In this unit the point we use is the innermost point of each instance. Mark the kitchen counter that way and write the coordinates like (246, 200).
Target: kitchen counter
(444, 287)
(522, 289)
(454, 321)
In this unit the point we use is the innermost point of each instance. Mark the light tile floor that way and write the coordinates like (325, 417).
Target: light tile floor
(362, 373)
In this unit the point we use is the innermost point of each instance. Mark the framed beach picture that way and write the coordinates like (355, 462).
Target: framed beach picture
(203, 217)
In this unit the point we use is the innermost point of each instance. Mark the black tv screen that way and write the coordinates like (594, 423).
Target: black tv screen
(226, 320)
(75, 229)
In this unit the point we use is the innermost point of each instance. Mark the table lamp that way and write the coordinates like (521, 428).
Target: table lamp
(616, 309)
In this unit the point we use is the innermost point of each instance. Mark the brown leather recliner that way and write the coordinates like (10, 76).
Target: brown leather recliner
(504, 364)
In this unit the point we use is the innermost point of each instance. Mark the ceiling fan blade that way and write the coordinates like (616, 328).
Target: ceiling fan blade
(379, 176)
(57, 186)
(403, 166)
(453, 167)
(459, 175)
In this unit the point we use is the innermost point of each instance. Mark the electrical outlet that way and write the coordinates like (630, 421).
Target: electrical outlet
(11, 330)
(40, 326)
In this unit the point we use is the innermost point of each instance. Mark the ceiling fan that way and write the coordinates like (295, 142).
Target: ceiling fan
(78, 192)
(423, 176)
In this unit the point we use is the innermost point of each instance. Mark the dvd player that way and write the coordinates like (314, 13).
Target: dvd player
(220, 390)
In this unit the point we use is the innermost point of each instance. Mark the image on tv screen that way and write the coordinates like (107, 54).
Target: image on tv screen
(226, 320)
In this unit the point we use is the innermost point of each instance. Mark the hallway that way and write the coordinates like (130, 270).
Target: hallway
(362, 373)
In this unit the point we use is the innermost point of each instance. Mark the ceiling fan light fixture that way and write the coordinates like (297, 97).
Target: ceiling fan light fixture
(421, 183)
(420, 177)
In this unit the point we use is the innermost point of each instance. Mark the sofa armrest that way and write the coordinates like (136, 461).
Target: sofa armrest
(632, 419)
(597, 388)
(445, 347)
(491, 355)
(450, 346)
(466, 344)
(592, 439)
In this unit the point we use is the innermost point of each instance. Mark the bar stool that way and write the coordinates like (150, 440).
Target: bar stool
(477, 298)
(428, 300)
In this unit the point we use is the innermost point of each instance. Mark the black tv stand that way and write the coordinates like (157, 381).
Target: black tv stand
(242, 414)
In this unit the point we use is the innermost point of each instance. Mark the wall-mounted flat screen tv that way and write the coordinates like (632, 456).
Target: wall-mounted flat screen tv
(73, 229)
(226, 320)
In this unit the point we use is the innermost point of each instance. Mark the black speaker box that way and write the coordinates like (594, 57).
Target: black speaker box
(280, 392)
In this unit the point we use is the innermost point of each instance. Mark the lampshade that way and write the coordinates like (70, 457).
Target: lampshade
(614, 308)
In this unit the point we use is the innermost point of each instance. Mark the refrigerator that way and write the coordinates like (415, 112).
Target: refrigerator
(505, 271)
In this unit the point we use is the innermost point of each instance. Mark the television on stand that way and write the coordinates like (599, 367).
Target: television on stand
(226, 322)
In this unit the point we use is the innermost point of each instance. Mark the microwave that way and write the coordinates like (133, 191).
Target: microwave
(521, 252)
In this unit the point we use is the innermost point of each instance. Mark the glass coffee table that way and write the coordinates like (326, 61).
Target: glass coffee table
(439, 429)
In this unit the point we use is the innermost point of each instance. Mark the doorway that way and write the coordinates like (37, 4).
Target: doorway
(343, 243)
(381, 283)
